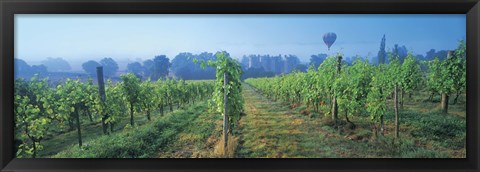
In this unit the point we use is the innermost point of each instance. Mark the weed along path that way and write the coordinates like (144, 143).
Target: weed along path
(198, 138)
(273, 130)
(267, 130)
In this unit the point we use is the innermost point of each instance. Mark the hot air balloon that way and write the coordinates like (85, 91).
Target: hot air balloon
(329, 38)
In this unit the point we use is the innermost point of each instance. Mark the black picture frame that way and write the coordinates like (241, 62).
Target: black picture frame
(8, 8)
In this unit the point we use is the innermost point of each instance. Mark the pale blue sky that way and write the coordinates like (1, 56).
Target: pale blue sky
(126, 38)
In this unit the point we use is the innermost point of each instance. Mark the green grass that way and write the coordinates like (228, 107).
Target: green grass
(272, 129)
(139, 142)
(267, 132)
(197, 139)
(57, 142)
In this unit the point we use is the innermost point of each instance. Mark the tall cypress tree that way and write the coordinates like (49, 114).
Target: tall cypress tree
(382, 54)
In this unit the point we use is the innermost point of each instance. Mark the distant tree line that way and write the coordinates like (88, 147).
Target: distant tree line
(255, 66)
(182, 66)
(110, 67)
(401, 52)
(22, 69)
(155, 68)
(56, 64)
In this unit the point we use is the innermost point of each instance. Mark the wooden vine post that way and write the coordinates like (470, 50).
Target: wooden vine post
(225, 115)
(395, 101)
(445, 97)
(334, 101)
(79, 131)
(101, 90)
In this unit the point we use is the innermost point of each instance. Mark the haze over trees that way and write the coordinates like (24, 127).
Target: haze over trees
(300, 68)
(135, 68)
(256, 73)
(382, 53)
(56, 64)
(400, 51)
(183, 67)
(268, 63)
(22, 69)
(316, 60)
(160, 69)
(110, 66)
(442, 55)
(291, 61)
(91, 67)
(155, 68)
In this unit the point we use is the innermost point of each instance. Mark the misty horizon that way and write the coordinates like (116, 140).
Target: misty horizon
(76, 65)
(129, 38)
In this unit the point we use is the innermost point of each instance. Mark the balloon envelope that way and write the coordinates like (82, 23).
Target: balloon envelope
(329, 38)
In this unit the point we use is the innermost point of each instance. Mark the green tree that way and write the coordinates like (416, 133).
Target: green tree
(380, 89)
(225, 64)
(460, 66)
(56, 64)
(135, 68)
(434, 77)
(34, 112)
(382, 55)
(316, 60)
(338, 67)
(131, 91)
(114, 105)
(312, 91)
(161, 95)
(73, 99)
(450, 75)
(170, 92)
(91, 67)
(110, 66)
(410, 76)
(353, 85)
(161, 64)
(329, 70)
(394, 83)
(147, 97)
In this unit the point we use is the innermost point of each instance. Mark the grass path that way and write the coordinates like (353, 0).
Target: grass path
(267, 130)
(197, 139)
(92, 131)
(274, 130)
(271, 129)
(183, 133)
